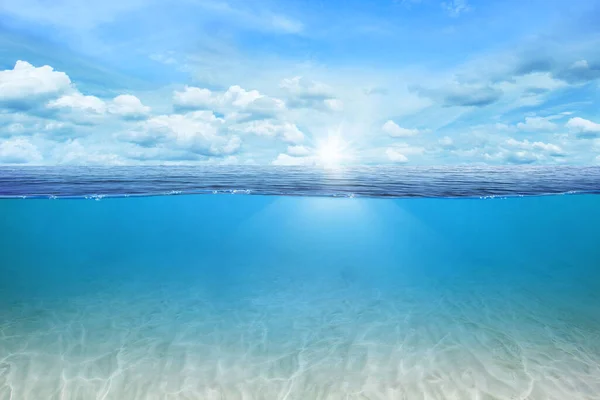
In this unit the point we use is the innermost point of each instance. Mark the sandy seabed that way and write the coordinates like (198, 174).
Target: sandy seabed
(298, 341)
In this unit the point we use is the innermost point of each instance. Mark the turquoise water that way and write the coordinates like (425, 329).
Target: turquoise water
(275, 297)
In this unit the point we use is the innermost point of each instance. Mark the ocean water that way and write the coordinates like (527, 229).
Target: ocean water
(291, 284)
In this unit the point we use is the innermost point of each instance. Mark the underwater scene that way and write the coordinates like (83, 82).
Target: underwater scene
(415, 284)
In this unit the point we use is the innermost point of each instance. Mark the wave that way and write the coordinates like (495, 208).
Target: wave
(397, 182)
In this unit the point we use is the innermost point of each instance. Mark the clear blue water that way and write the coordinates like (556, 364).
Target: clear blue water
(300, 297)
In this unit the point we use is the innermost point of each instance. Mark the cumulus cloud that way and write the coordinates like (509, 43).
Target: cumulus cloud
(510, 151)
(59, 111)
(78, 101)
(199, 132)
(534, 124)
(193, 98)
(395, 155)
(287, 131)
(235, 99)
(78, 108)
(25, 86)
(298, 151)
(521, 157)
(48, 93)
(305, 93)
(584, 128)
(19, 150)
(84, 109)
(22, 124)
(394, 130)
(128, 106)
(305, 88)
(548, 148)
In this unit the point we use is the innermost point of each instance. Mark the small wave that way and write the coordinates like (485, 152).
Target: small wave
(97, 183)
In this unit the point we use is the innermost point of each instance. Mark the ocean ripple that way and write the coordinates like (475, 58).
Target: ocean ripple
(371, 181)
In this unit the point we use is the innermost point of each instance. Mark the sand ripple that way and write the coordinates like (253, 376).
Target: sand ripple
(328, 341)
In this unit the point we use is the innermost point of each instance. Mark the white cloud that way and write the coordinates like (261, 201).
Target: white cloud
(395, 156)
(549, 148)
(287, 131)
(305, 93)
(235, 99)
(25, 124)
(287, 160)
(583, 127)
(520, 157)
(79, 109)
(128, 106)
(193, 98)
(25, 86)
(492, 150)
(298, 151)
(394, 130)
(19, 150)
(303, 87)
(198, 132)
(239, 97)
(78, 101)
(534, 124)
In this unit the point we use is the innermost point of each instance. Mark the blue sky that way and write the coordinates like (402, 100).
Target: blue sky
(299, 82)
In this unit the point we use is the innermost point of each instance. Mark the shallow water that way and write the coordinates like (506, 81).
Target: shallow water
(272, 297)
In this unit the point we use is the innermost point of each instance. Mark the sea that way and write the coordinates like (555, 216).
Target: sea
(248, 283)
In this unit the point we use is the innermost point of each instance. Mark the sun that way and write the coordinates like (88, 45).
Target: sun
(332, 152)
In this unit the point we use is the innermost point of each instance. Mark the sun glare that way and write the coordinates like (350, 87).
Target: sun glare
(331, 152)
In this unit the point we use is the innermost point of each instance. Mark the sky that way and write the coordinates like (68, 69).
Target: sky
(299, 82)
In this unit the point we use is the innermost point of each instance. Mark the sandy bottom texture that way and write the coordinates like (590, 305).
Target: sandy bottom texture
(292, 340)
